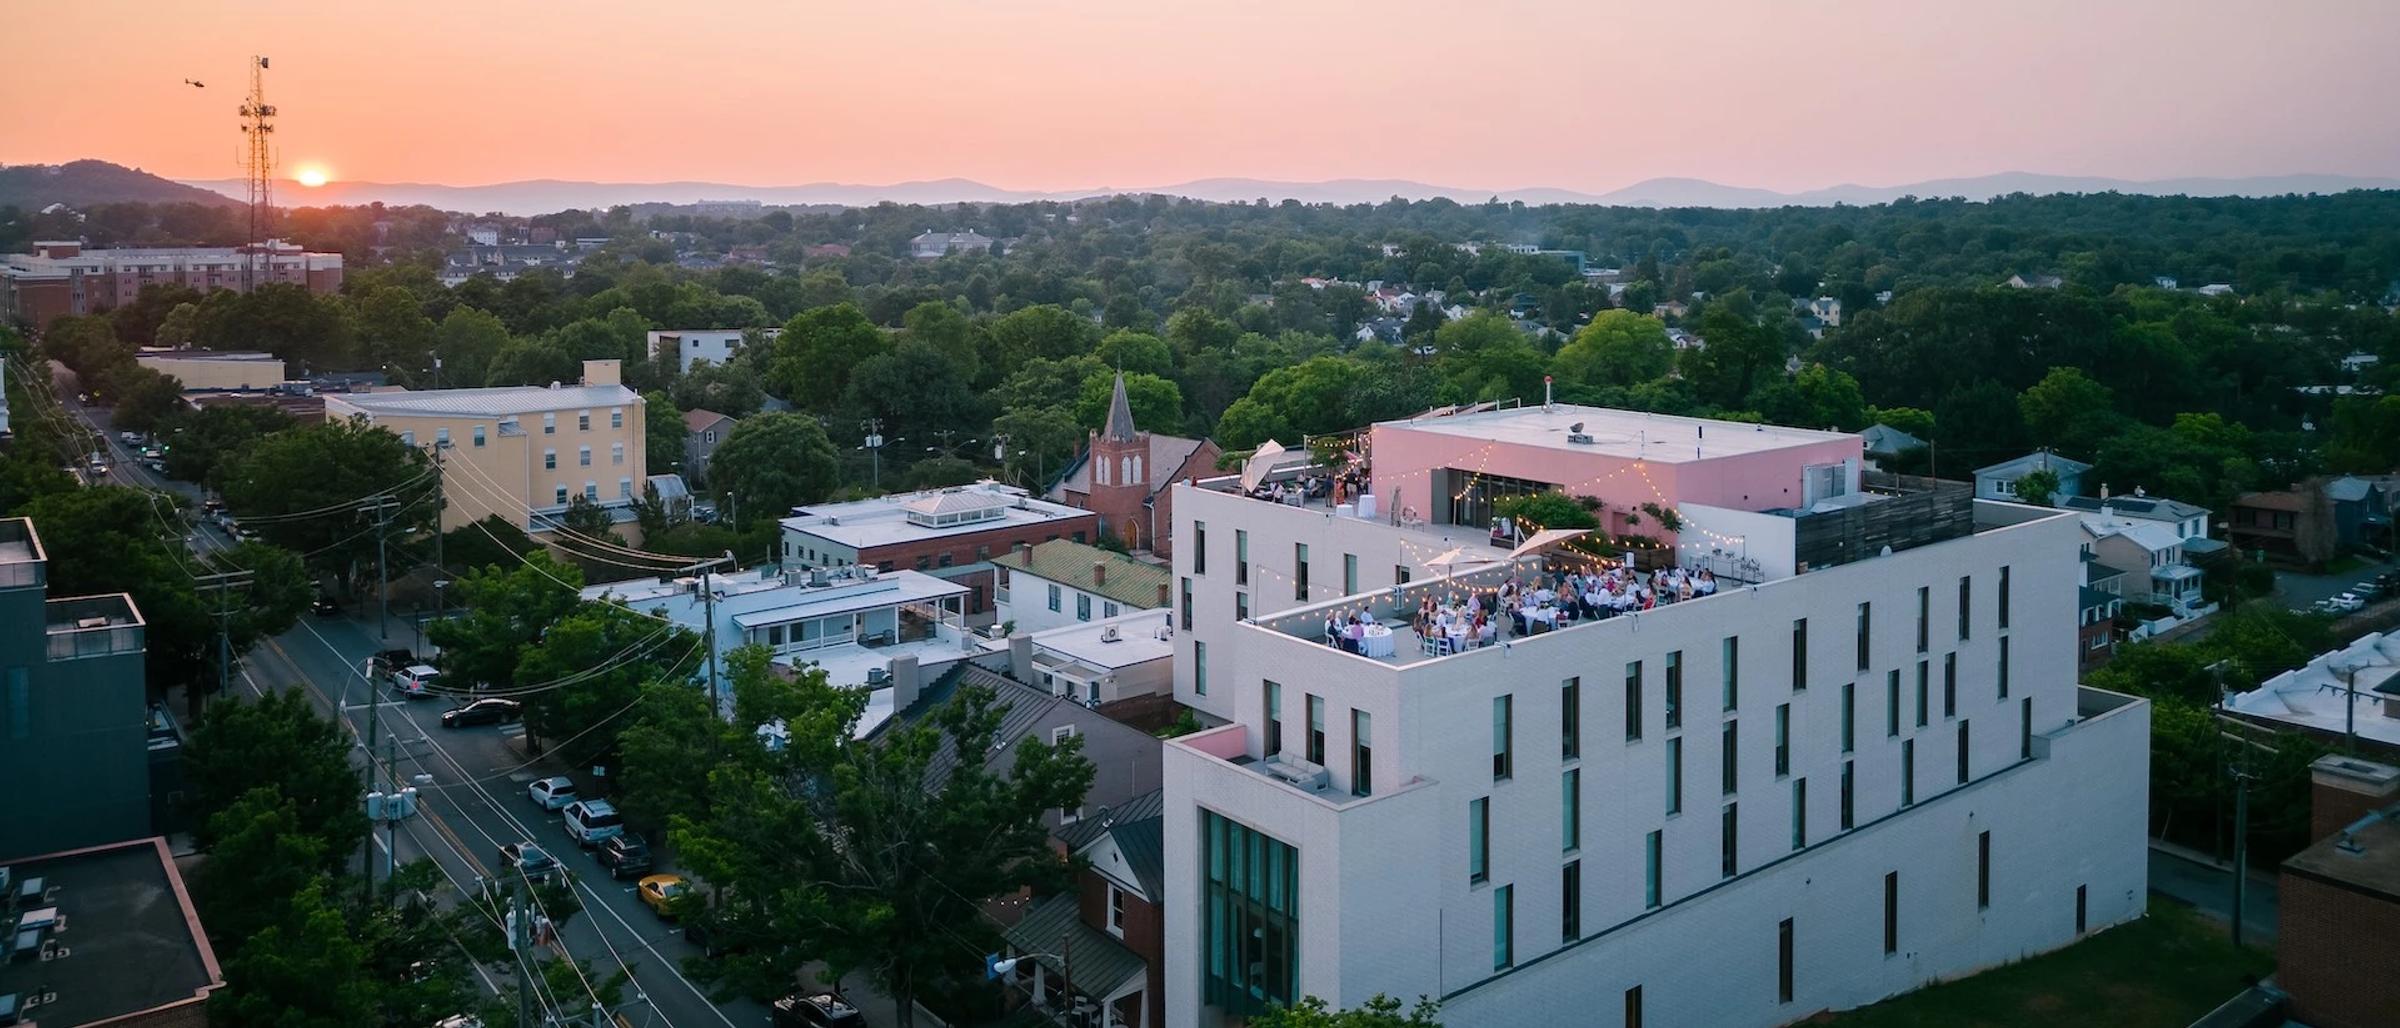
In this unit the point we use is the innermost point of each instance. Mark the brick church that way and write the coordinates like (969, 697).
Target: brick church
(1124, 473)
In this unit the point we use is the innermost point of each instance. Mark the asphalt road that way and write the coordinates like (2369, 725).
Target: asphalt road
(2298, 590)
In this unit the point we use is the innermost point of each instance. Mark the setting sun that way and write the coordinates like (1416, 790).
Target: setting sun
(311, 176)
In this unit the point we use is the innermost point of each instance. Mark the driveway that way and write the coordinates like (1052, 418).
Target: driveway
(2299, 590)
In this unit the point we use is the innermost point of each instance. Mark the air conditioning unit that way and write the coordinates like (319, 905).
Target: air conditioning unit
(1297, 772)
(1579, 439)
(1108, 634)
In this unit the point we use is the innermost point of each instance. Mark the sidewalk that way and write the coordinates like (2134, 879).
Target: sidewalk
(2195, 880)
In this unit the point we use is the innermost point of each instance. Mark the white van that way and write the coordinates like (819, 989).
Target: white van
(416, 680)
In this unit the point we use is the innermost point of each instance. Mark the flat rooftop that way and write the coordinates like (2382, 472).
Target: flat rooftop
(19, 543)
(1141, 637)
(887, 520)
(1631, 435)
(135, 944)
(2371, 863)
(207, 355)
(498, 401)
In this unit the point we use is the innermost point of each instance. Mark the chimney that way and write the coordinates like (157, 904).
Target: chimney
(1164, 599)
(1024, 550)
(1020, 657)
(906, 681)
(1099, 574)
(603, 373)
(2344, 789)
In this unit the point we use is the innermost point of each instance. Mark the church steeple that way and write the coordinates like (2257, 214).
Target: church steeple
(1120, 415)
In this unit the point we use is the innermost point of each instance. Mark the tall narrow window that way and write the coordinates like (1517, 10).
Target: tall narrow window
(1349, 574)
(1865, 611)
(1570, 901)
(2079, 890)
(1799, 654)
(1674, 774)
(1199, 547)
(1504, 928)
(1783, 961)
(2003, 614)
(1727, 858)
(1479, 844)
(1924, 617)
(1199, 661)
(1185, 607)
(1316, 729)
(1362, 753)
(1983, 870)
(1241, 556)
(1908, 772)
(1891, 912)
(1650, 870)
(1241, 605)
(1570, 719)
(1633, 701)
(1300, 571)
(1783, 739)
(1504, 760)
(1891, 707)
(1732, 758)
(1849, 793)
(2025, 728)
(1400, 574)
(1674, 690)
(1799, 813)
(1273, 698)
(2004, 667)
(1633, 1007)
(1570, 810)
(1950, 685)
(1924, 690)
(1966, 601)
(1849, 717)
(1963, 749)
(1733, 672)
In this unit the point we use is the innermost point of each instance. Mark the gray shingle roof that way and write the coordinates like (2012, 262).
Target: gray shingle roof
(1102, 963)
(2150, 508)
(1138, 827)
(2031, 462)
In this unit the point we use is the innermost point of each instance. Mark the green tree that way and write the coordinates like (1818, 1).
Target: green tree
(729, 389)
(2067, 410)
(1542, 511)
(774, 462)
(943, 845)
(503, 609)
(396, 334)
(915, 390)
(303, 489)
(1045, 330)
(1037, 442)
(176, 328)
(663, 436)
(608, 652)
(259, 859)
(304, 971)
(138, 322)
(467, 343)
(492, 540)
(276, 742)
(958, 340)
(1915, 421)
(146, 400)
(282, 318)
(1380, 1011)
(1737, 353)
(204, 438)
(2365, 434)
(2037, 486)
(815, 354)
(1618, 348)
(532, 362)
(1136, 353)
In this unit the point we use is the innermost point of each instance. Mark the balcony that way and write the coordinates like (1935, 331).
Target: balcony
(93, 626)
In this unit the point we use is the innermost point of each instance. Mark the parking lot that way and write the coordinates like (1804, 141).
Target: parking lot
(2300, 591)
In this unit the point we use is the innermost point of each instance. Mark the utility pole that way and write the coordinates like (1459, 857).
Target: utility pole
(222, 583)
(2241, 839)
(391, 815)
(873, 427)
(520, 942)
(708, 602)
(374, 724)
(381, 507)
(440, 501)
(2350, 711)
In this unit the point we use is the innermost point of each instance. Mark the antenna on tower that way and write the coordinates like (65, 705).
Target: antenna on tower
(258, 123)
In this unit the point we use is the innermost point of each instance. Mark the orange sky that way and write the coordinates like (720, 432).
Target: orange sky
(1051, 94)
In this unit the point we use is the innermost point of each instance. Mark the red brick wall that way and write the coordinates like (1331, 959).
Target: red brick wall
(1145, 935)
(961, 548)
(40, 303)
(2087, 657)
(2333, 954)
(2331, 808)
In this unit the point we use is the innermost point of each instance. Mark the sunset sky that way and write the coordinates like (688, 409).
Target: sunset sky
(1053, 94)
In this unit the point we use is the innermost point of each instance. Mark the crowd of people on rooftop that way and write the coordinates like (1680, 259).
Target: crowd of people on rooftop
(1527, 603)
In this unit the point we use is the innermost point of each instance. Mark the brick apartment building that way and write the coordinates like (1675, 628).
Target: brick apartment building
(950, 534)
(2339, 900)
(61, 278)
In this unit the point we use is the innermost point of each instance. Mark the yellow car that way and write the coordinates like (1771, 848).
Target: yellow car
(658, 892)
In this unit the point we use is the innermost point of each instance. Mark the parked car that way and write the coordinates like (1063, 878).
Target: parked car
(815, 1010)
(386, 660)
(552, 793)
(658, 892)
(459, 1021)
(2347, 603)
(130, 438)
(535, 863)
(591, 821)
(325, 606)
(624, 855)
(490, 710)
(416, 681)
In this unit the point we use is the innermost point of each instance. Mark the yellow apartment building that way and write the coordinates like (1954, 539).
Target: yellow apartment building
(521, 452)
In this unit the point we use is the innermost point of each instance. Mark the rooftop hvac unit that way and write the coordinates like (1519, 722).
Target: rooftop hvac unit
(1108, 634)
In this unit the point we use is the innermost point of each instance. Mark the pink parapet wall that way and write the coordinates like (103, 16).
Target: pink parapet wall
(1224, 742)
(1640, 459)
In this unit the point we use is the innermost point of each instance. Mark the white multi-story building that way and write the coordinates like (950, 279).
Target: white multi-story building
(1862, 765)
(690, 346)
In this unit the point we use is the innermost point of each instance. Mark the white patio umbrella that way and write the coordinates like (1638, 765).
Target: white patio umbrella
(1452, 559)
(1546, 538)
(1260, 463)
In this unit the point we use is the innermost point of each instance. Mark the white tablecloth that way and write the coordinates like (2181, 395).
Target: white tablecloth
(1377, 642)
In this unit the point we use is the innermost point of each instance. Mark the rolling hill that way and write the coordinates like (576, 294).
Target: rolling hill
(85, 183)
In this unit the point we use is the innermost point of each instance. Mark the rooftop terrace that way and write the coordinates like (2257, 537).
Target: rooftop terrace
(1633, 435)
(92, 626)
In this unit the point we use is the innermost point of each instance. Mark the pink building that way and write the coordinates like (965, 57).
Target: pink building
(1451, 470)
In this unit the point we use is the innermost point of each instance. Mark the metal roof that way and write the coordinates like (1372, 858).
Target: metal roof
(1102, 963)
(492, 402)
(1067, 562)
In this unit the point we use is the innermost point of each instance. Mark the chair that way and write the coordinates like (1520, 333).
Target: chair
(1430, 645)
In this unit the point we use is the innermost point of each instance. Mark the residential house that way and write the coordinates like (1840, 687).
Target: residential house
(703, 432)
(2294, 525)
(1123, 475)
(2033, 282)
(2188, 520)
(1123, 667)
(2163, 281)
(689, 346)
(137, 955)
(73, 710)
(825, 251)
(2095, 627)
(504, 262)
(1379, 330)
(1064, 582)
(1827, 310)
(522, 453)
(1999, 481)
(2216, 289)
(2335, 902)
(932, 245)
(1111, 926)
(1811, 324)
(2362, 510)
(2153, 554)
(1669, 309)
(1885, 442)
(950, 534)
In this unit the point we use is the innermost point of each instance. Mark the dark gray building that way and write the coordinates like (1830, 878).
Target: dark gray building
(74, 726)
(1125, 759)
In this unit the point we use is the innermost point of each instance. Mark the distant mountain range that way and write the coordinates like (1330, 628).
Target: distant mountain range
(89, 182)
(84, 183)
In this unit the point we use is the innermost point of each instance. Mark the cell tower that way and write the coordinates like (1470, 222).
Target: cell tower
(258, 124)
